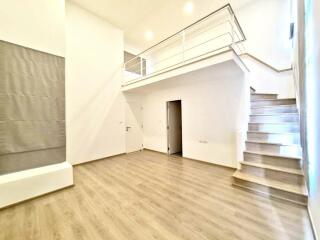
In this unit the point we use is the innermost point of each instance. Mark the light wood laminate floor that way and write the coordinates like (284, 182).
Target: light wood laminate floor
(148, 195)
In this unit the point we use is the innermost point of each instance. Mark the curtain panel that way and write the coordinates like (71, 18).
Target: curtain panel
(32, 108)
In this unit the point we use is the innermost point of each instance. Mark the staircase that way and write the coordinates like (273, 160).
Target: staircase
(272, 159)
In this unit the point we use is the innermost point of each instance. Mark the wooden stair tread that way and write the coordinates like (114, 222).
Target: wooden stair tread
(255, 93)
(296, 189)
(265, 132)
(263, 99)
(270, 143)
(265, 169)
(273, 155)
(275, 168)
(275, 106)
(273, 114)
(279, 123)
(278, 99)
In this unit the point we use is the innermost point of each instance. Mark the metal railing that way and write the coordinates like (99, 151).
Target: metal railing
(215, 33)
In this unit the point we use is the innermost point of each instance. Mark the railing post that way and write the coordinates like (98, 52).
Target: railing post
(141, 67)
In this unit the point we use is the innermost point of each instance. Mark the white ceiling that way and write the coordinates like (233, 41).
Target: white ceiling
(163, 17)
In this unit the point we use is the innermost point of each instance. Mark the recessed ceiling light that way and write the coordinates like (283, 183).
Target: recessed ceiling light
(188, 8)
(149, 35)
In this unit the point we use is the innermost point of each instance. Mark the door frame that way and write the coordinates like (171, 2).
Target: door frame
(167, 125)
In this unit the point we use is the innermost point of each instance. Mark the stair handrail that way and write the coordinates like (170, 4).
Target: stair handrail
(266, 64)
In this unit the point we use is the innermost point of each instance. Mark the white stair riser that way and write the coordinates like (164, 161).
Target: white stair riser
(273, 161)
(272, 174)
(275, 109)
(268, 191)
(273, 102)
(290, 150)
(274, 118)
(289, 138)
(279, 128)
(263, 96)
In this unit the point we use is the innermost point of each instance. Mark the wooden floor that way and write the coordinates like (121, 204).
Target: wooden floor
(147, 195)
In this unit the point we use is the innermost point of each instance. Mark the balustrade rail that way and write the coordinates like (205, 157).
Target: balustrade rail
(215, 33)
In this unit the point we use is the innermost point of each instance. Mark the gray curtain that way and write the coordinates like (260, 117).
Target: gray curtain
(32, 108)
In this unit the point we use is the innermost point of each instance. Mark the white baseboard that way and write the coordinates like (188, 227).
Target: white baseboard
(24, 185)
(313, 226)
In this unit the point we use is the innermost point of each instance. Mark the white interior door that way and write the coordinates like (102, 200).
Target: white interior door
(174, 127)
(133, 127)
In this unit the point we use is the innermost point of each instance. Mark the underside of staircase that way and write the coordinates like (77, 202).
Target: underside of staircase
(271, 164)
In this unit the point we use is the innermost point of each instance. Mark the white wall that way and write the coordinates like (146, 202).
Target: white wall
(313, 110)
(131, 49)
(213, 110)
(37, 24)
(265, 80)
(95, 106)
(266, 25)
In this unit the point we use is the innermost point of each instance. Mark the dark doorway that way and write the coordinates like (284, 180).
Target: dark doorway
(174, 127)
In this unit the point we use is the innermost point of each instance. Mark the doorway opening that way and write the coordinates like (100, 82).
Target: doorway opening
(174, 127)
